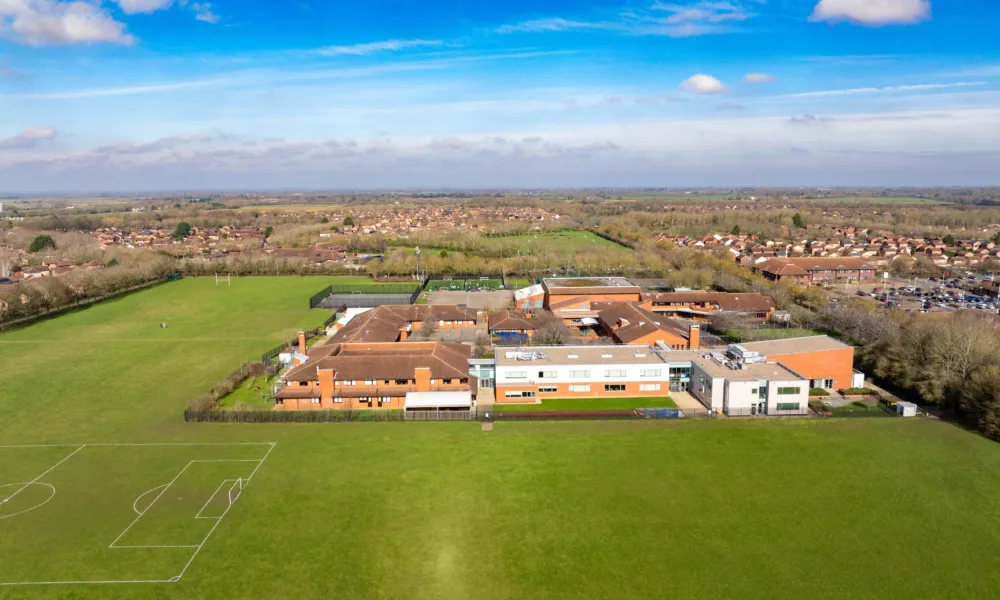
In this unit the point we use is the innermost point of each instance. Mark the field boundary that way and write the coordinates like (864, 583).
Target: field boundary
(243, 482)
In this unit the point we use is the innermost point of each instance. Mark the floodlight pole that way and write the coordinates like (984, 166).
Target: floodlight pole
(416, 251)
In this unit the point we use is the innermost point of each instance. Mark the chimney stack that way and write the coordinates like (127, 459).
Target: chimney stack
(694, 337)
(302, 342)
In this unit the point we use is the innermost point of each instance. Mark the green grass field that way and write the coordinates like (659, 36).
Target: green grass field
(559, 241)
(793, 508)
(588, 404)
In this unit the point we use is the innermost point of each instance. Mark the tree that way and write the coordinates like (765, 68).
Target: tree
(42, 242)
(348, 221)
(8, 260)
(444, 254)
(324, 220)
(483, 347)
(798, 221)
(551, 332)
(182, 230)
(428, 328)
(736, 230)
(949, 240)
(268, 232)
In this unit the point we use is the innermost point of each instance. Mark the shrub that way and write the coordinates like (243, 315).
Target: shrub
(818, 392)
(42, 242)
(855, 391)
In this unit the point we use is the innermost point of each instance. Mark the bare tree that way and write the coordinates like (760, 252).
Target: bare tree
(8, 261)
(551, 332)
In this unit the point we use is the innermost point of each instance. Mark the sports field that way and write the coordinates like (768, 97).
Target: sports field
(558, 241)
(834, 508)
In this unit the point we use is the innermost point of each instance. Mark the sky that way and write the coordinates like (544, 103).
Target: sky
(148, 95)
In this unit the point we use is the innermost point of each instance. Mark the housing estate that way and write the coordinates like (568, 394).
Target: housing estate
(807, 271)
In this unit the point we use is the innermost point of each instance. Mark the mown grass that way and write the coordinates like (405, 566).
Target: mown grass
(792, 508)
(587, 404)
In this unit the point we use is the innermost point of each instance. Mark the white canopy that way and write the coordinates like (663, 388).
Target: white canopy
(589, 321)
(438, 400)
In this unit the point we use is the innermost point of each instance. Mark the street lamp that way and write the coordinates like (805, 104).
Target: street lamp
(416, 251)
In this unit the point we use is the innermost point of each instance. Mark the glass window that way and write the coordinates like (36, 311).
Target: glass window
(547, 390)
(547, 374)
(788, 391)
(517, 375)
(579, 388)
(788, 406)
(615, 373)
(650, 373)
(614, 387)
(579, 374)
(649, 387)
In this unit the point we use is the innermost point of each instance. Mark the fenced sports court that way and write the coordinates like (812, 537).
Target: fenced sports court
(365, 296)
(116, 513)
(465, 284)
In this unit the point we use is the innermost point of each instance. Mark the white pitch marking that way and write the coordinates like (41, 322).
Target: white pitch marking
(143, 495)
(47, 471)
(47, 500)
(224, 513)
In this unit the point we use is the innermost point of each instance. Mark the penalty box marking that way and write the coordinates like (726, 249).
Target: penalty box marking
(197, 548)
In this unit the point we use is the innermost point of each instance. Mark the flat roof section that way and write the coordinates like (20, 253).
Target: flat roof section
(774, 372)
(716, 370)
(582, 355)
(572, 283)
(814, 343)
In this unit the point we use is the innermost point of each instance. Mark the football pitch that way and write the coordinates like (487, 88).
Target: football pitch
(106, 493)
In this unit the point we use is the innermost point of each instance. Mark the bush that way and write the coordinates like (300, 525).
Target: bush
(818, 392)
(855, 391)
(42, 242)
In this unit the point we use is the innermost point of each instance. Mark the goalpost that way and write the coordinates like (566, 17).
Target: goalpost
(235, 489)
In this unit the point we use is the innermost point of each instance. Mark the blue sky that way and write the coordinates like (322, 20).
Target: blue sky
(178, 94)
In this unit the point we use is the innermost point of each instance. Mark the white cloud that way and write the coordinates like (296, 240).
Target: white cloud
(556, 24)
(706, 12)
(373, 47)
(31, 136)
(134, 7)
(885, 90)
(703, 84)
(873, 12)
(49, 22)
(682, 20)
(203, 12)
(759, 78)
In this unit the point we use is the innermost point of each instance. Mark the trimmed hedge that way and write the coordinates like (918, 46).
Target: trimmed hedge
(818, 392)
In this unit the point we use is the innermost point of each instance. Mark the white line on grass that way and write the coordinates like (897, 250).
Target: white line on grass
(224, 513)
(165, 488)
(143, 495)
(149, 444)
(47, 471)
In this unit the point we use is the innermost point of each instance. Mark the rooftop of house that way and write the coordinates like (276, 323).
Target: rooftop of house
(631, 323)
(384, 323)
(509, 319)
(737, 302)
(581, 355)
(380, 361)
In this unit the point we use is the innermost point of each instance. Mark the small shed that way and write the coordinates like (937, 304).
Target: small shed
(906, 409)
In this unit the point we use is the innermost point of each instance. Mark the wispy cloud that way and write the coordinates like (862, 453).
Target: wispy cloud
(375, 47)
(681, 20)
(884, 90)
(29, 138)
(759, 78)
(203, 12)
